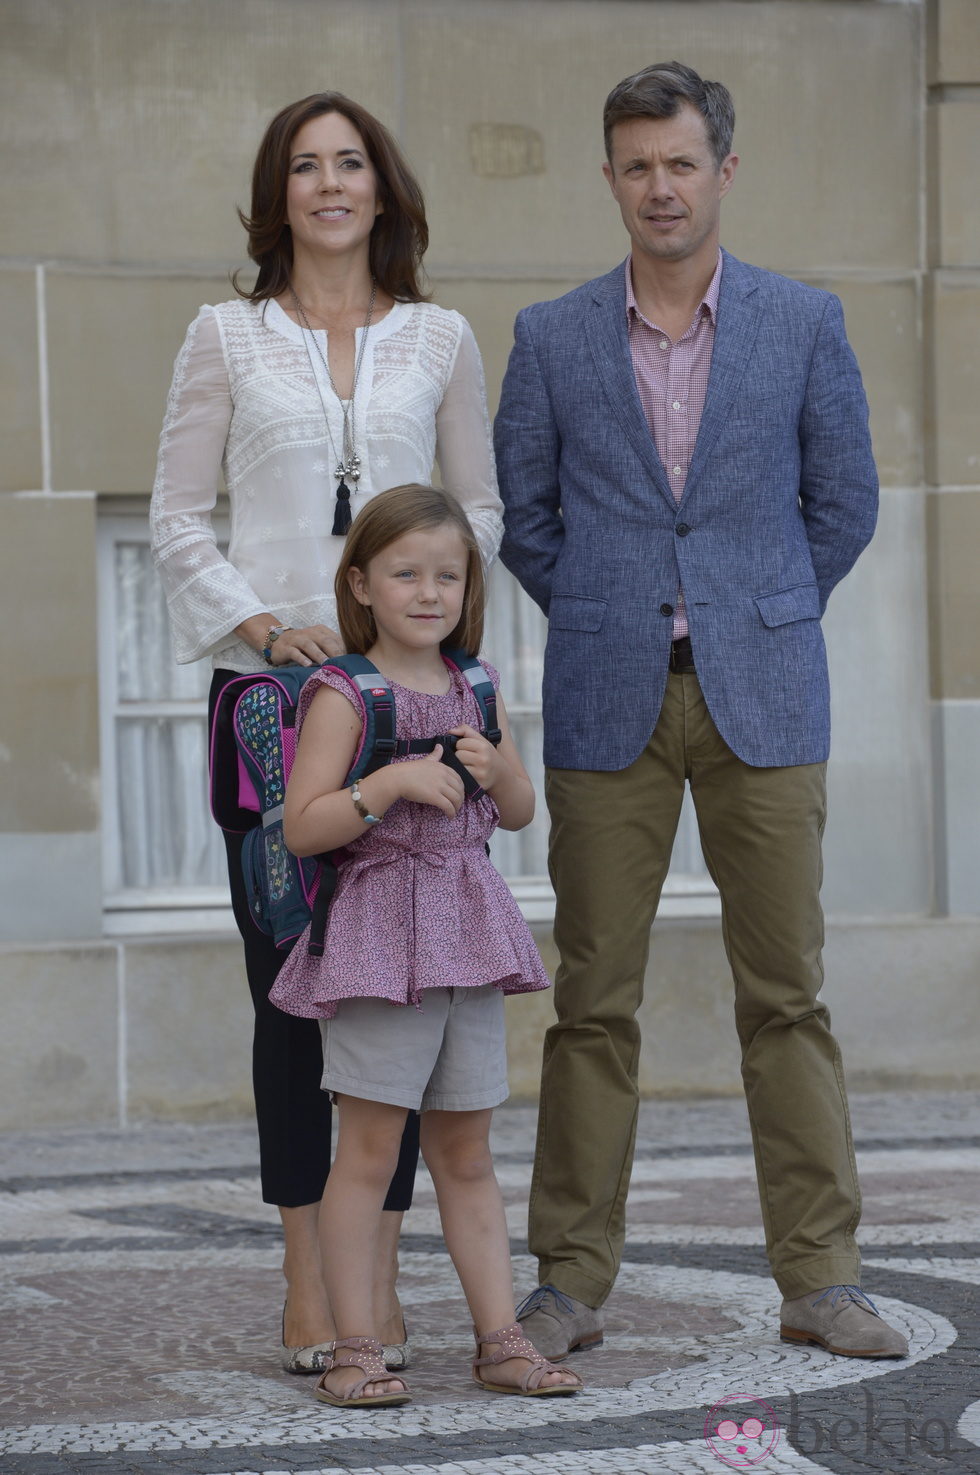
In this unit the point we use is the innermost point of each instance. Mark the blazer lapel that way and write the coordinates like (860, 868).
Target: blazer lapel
(739, 315)
(609, 344)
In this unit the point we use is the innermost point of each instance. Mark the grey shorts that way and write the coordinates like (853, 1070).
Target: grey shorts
(448, 1055)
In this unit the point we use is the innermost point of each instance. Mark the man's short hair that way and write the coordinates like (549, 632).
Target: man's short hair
(660, 91)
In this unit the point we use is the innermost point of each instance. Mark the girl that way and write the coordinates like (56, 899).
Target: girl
(423, 938)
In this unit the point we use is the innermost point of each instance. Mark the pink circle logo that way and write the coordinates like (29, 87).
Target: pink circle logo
(742, 1431)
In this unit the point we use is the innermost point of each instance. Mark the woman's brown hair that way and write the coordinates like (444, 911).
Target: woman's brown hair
(400, 234)
(392, 515)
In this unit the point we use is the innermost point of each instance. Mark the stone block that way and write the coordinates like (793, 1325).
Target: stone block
(955, 128)
(49, 720)
(189, 1028)
(882, 319)
(956, 743)
(954, 41)
(58, 1046)
(954, 594)
(20, 404)
(904, 1002)
(51, 886)
(119, 336)
(894, 1033)
(545, 70)
(878, 848)
(490, 308)
(188, 1020)
(152, 114)
(689, 1041)
(952, 422)
(882, 325)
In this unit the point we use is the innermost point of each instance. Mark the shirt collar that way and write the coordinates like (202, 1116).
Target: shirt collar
(709, 300)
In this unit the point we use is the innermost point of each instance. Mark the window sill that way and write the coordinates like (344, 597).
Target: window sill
(141, 914)
(682, 897)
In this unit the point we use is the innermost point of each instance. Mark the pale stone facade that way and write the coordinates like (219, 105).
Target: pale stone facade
(130, 128)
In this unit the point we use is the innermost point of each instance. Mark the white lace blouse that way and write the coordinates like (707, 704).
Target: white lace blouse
(244, 400)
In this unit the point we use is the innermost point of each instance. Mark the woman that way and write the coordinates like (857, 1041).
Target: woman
(330, 380)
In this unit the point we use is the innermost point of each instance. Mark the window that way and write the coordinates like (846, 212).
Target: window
(164, 860)
(162, 852)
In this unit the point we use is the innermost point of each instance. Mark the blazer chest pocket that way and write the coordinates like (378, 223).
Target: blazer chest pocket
(787, 605)
(575, 612)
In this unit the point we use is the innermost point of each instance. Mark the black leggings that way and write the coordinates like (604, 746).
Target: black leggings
(292, 1112)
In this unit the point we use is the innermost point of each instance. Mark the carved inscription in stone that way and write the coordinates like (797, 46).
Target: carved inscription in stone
(505, 150)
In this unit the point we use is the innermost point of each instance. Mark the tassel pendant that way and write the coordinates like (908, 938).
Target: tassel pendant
(341, 516)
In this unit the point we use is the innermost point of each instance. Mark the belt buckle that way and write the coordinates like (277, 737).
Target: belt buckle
(688, 664)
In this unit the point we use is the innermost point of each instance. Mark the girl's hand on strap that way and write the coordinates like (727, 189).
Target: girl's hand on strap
(428, 781)
(498, 770)
(478, 756)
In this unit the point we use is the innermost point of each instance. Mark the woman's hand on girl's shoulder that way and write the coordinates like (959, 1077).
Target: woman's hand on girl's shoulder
(309, 646)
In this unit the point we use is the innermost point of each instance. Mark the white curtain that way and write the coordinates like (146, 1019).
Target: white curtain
(167, 838)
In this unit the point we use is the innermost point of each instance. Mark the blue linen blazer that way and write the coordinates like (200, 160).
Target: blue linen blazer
(781, 497)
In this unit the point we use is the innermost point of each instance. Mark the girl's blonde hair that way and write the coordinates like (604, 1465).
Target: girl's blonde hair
(392, 515)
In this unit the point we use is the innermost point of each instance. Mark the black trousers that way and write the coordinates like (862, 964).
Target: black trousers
(292, 1112)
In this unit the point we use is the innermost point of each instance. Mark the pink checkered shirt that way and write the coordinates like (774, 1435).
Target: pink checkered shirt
(672, 379)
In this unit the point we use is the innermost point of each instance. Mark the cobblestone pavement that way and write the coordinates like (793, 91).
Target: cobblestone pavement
(140, 1293)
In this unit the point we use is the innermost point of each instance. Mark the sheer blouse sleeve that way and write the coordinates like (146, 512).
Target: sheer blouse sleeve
(464, 446)
(206, 596)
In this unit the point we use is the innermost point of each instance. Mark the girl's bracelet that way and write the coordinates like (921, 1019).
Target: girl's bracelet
(361, 807)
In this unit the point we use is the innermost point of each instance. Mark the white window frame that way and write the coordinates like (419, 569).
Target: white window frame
(134, 911)
(130, 911)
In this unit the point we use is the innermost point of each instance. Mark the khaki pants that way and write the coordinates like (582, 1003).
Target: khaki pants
(611, 840)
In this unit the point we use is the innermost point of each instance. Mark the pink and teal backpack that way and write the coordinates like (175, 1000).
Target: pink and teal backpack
(252, 746)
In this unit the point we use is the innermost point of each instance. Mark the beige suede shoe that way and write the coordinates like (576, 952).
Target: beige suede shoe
(558, 1324)
(844, 1321)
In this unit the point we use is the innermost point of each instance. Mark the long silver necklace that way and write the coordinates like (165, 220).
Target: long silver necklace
(349, 462)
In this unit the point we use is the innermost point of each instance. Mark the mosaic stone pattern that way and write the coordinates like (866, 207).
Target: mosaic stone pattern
(140, 1293)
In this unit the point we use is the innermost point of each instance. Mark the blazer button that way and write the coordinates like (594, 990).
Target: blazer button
(666, 609)
(682, 530)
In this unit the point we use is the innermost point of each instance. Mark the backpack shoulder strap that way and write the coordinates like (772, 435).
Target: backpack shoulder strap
(375, 701)
(481, 686)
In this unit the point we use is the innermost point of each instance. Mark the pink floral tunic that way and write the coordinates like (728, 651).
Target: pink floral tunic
(418, 904)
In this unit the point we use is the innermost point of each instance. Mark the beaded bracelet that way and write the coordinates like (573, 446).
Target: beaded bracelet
(274, 633)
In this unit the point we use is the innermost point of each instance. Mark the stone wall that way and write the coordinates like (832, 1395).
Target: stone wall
(130, 128)
(952, 442)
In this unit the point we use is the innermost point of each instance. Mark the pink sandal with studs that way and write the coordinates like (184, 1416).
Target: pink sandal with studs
(364, 1353)
(513, 1343)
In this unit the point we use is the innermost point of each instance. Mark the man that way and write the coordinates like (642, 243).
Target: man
(686, 469)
